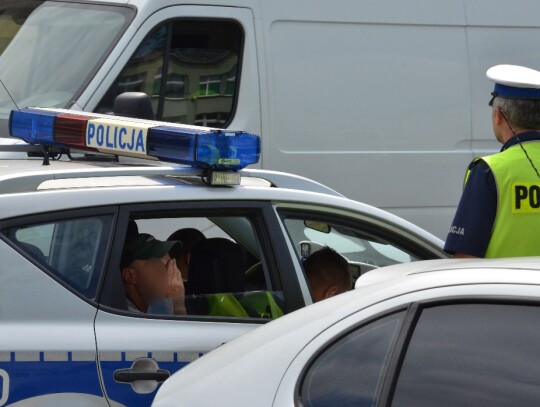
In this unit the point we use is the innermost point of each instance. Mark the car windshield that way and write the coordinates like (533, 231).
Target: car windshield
(50, 50)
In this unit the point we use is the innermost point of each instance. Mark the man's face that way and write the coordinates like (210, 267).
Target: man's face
(151, 277)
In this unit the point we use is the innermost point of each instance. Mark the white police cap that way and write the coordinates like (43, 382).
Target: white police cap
(513, 81)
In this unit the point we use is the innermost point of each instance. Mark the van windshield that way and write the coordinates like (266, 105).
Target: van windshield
(50, 50)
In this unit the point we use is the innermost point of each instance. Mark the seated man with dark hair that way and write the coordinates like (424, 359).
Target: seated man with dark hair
(150, 276)
(327, 273)
(189, 237)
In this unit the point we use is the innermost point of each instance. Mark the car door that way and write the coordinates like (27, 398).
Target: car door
(50, 274)
(139, 350)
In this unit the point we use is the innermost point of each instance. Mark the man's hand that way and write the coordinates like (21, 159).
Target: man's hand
(175, 288)
(175, 284)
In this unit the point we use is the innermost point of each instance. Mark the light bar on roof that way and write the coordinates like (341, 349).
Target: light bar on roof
(203, 147)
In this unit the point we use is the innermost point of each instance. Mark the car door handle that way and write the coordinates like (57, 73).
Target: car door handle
(144, 375)
(130, 376)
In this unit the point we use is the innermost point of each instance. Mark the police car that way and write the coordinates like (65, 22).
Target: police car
(435, 333)
(68, 335)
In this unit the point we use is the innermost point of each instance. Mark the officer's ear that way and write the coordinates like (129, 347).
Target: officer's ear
(498, 116)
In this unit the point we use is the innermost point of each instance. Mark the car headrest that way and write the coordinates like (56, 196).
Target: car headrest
(217, 266)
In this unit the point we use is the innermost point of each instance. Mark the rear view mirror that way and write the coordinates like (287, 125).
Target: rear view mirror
(318, 226)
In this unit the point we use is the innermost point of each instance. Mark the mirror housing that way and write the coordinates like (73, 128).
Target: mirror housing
(134, 104)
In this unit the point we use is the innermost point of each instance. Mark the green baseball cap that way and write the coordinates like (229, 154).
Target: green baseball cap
(144, 246)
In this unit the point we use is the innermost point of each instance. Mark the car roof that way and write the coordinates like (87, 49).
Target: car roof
(281, 340)
(431, 266)
(100, 183)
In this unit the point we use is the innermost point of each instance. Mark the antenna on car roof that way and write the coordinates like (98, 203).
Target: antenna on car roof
(9, 94)
(43, 148)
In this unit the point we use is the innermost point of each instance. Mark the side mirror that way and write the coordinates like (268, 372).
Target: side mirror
(134, 104)
(359, 268)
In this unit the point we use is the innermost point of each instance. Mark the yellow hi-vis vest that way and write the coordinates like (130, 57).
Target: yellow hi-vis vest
(516, 230)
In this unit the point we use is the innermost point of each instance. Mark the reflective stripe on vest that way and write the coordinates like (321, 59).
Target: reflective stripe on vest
(516, 230)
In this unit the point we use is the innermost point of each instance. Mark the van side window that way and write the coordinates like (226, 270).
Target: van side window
(190, 70)
(71, 250)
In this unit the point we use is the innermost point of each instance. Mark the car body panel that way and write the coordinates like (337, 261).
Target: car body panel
(272, 358)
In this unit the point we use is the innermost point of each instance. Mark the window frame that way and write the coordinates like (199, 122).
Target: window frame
(168, 23)
(260, 213)
(401, 242)
(56, 216)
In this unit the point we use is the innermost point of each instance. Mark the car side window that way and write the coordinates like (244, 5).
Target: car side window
(350, 372)
(72, 250)
(362, 248)
(190, 70)
(472, 354)
(224, 271)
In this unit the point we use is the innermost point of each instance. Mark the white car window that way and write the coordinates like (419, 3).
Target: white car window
(224, 272)
(350, 372)
(73, 250)
(472, 354)
(362, 248)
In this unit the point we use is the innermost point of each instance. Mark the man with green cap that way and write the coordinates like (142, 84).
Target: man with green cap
(149, 274)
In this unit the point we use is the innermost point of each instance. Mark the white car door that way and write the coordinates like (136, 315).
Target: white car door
(138, 351)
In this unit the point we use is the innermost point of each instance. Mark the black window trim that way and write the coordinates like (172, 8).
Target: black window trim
(35, 219)
(257, 211)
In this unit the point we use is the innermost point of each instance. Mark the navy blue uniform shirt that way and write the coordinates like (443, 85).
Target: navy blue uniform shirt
(473, 223)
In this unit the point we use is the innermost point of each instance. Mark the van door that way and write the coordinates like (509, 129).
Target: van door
(372, 99)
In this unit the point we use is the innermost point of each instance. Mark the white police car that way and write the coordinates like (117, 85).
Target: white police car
(68, 337)
(435, 333)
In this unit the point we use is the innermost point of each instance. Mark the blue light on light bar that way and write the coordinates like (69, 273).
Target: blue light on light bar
(202, 147)
(224, 149)
(214, 149)
(33, 126)
(172, 144)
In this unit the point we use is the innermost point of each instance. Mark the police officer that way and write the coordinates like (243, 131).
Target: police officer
(499, 211)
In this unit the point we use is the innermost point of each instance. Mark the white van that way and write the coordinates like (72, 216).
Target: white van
(384, 101)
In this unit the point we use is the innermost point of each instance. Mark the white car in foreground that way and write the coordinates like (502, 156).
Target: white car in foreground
(433, 333)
